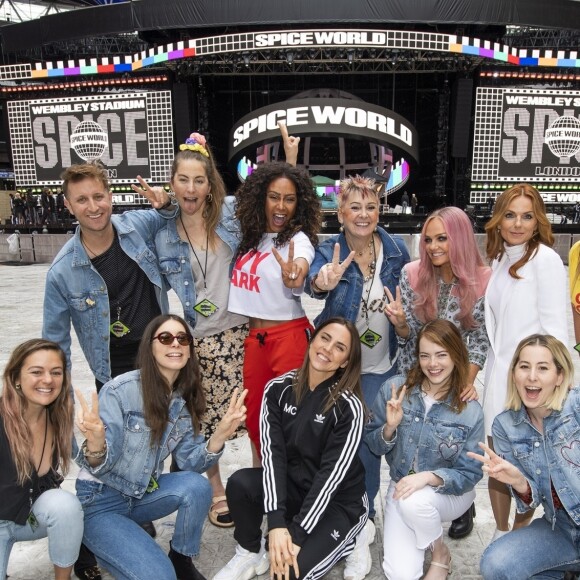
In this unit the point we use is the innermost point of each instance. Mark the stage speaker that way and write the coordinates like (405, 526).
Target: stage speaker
(461, 118)
(182, 111)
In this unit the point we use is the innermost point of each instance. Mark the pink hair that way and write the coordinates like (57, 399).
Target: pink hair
(466, 264)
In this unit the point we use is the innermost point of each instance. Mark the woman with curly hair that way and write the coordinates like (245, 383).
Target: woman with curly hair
(279, 216)
(36, 430)
(526, 295)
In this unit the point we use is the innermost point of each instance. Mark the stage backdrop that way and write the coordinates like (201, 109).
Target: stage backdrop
(131, 134)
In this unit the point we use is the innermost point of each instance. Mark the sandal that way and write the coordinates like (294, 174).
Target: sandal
(220, 517)
(439, 565)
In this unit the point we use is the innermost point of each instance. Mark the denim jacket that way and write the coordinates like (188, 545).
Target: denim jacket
(75, 292)
(345, 299)
(174, 254)
(441, 440)
(553, 456)
(131, 461)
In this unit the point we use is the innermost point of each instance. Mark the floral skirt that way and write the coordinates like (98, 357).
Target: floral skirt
(221, 359)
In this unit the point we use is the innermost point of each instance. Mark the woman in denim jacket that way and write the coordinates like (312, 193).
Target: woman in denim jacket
(195, 251)
(537, 440)
(350, 272)
(138, 420)
(424, 431)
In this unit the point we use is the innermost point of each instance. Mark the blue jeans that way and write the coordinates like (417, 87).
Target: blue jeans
(371, 385)
(536, 551)
(60, 517)
(112, 519)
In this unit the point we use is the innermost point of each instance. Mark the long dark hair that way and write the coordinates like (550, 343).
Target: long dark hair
(251, 198)
(156, 390)
(348, 377)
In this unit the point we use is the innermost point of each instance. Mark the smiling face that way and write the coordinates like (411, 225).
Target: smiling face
(328, 351)
(536, 377)
(436, 364)
(359, 215)
(191, 185)
(170, 358)
(41, 377)
(281, 204)
(91, 204)
(437, 243)
(519, 222)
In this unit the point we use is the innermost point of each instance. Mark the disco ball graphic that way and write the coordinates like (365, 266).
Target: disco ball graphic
(89, 140)
(563, 136)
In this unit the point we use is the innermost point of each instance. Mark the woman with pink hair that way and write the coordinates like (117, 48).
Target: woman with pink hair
(448, 281)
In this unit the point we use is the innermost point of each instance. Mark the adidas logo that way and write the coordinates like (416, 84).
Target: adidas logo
(319, 419)
(335, 535)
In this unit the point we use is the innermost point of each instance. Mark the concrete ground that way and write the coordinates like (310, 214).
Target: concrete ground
(22, 289)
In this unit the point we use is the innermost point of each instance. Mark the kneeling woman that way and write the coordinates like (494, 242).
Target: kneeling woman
(425, 430)
(36, 430)
(539, 458)
(138, 420)
(311, 485)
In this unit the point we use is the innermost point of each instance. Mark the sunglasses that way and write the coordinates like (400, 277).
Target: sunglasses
(167, 338)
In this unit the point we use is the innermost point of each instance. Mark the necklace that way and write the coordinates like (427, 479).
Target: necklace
(369, 337)
(44, 442)
(84, 243)
(203, 269)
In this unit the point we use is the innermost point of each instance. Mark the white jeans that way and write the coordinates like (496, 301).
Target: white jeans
(413, 524)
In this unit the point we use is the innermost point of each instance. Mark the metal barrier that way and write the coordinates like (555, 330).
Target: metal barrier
(42, 248)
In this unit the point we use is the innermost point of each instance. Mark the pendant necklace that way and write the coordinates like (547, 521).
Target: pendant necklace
(369, 337)
(118, 328)
(204, 307)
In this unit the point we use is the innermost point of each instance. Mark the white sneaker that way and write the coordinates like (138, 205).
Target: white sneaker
(359, 563)
(245, 565)
(498, 534)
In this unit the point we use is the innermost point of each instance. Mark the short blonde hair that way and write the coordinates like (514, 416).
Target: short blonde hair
(363, 185)
(564, 365)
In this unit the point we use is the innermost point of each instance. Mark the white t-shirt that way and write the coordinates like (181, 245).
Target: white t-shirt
(256, 286)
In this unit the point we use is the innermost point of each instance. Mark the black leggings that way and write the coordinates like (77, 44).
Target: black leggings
(332, 539)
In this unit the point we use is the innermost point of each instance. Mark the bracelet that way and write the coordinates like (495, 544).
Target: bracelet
(94, 454)
(172, 200)
(316, 287)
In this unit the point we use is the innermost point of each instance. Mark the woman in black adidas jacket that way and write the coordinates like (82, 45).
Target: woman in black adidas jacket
(311, 485)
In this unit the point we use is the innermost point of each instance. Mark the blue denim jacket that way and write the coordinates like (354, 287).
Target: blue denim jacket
(75, 292)
(131, 461)
(441, 439)
(551, 457)
(174, 253)
(345, 299)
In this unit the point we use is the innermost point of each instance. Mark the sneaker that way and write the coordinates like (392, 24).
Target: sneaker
(245, 565)
(359, 562)
(498, 534)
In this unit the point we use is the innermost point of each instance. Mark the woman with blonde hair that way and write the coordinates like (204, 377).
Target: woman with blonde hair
(36, 430)
(526, 294)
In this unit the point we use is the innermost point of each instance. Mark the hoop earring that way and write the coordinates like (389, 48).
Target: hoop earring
(17, 386)
(209, 198)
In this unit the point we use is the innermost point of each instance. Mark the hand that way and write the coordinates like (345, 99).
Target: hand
(330, 274)
(500, 469)
(89, 422)
(394, 410)
(469, 394)
(291, 144)
(409, 484)
(156, 196)
(233, 417)
(283, 554)
(293, 272)
(395, 313)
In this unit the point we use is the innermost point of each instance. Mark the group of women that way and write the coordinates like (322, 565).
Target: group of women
(319, 403)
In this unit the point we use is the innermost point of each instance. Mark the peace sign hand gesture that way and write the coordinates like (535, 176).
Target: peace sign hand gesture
(394, 411)
(395, 313)
(330, 274)
(291, 144)
(293, 271)
(231, 420)
(500, 469)
(90, 424)
(156, 196)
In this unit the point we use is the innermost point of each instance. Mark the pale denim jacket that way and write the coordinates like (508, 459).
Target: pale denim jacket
(553, 456)
(131, 461)
(174, 256)
(440, 440)
(75, 292)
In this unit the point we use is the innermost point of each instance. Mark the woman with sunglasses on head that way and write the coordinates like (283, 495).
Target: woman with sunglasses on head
(536, 454)
(525, 295)
(138, 420)
(311, 486)
(448, 281)
(424, 430)
(279, 215)
(36, 431)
